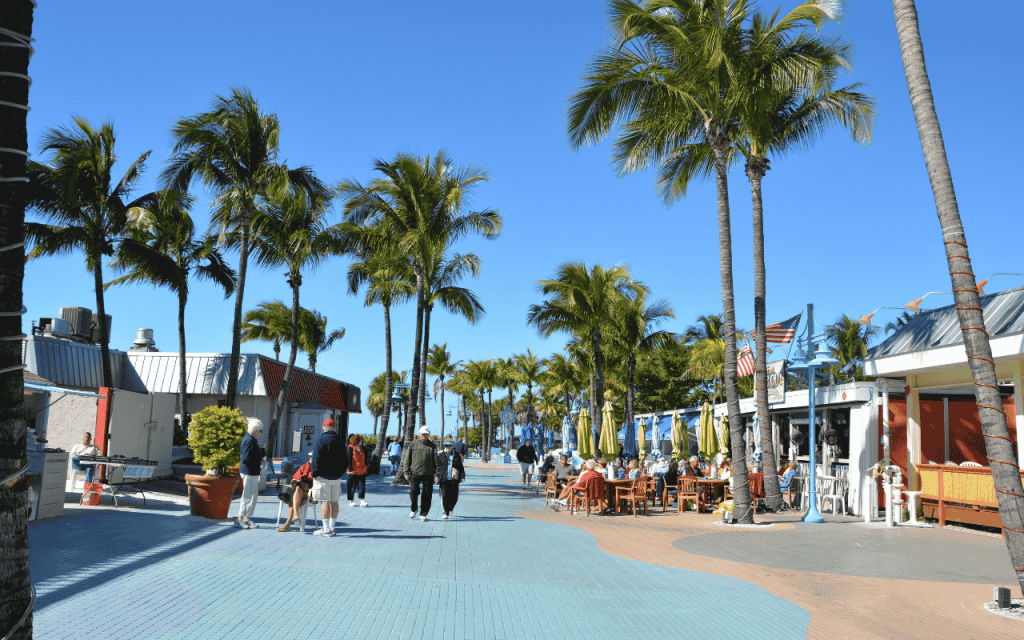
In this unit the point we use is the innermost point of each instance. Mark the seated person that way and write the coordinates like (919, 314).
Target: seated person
(546, 468)
(693, 469)
(591, 472)
(669, 480)
(725, 470)
(787, 476)
(563, 471)
(87, 448)
(302, 482)
(632, 470)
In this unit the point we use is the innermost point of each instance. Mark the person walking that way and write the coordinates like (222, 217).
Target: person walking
(329, 463)
(356, 470)
(249, 468)
(395, 455)
(422, 469)
(461, 448)
(527, 456)
(450, 473)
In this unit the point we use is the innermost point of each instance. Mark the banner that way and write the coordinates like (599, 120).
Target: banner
(776, 381)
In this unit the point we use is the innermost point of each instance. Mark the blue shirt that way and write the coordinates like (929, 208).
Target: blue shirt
(395, 449)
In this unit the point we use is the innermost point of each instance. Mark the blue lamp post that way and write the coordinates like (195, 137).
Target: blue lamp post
(816, 355)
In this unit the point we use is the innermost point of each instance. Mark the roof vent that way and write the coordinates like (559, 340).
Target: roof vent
(80, 320)
(144, 341)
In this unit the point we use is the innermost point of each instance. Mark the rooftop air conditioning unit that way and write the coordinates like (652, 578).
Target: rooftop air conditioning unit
(95, 332)
(79, 319)
(55, 325)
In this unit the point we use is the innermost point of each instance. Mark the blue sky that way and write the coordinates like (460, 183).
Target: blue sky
(848, 227)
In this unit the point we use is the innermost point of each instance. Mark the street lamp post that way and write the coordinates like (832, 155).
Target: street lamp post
(815, 355)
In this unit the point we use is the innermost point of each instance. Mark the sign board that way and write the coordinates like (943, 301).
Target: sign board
(776, 381)
(507, 415)
(296, 441)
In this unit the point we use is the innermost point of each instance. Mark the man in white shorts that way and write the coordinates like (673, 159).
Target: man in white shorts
(329, 463)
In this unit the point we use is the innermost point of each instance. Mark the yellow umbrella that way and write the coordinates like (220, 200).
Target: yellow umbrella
(678, 452)
(684, 440)
(641, 437)
(609, 434)
(708, 443)
(724, 438)
(585, 435)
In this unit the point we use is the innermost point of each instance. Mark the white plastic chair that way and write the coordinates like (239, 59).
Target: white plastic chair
(834, 489)
(75, 475)
(300, 516)
(969, 464)
(950, 463)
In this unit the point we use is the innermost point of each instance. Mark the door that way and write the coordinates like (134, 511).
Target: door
(306, 424)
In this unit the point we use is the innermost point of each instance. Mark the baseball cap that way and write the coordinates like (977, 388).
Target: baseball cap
(328, 422)
(424, 430)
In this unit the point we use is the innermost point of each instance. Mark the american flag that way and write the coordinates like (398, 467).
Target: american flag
(745, 362)
(781, 332)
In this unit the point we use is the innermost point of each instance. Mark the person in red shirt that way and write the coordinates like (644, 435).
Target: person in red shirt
(356, 470)
(590, 472)
(302, 482)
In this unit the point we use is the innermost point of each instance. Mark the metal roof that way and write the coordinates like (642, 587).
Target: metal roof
(69, 364)
(206, 373)
(935, 328)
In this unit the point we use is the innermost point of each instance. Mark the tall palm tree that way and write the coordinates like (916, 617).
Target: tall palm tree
(232, 149)
(509, 378)
(459, 382)
(439, 363)
(381, 267)
(998, 446)
(314, 338)
(422, 202)
(530, 367)
(633, 332)
(375, 401)
(482, 376)
(293, 233)
(162, 250)
(268, 322)
(848, 340)
(88, 210)
(16, 19)
(443, 274)
(580, 304)
(562, 378)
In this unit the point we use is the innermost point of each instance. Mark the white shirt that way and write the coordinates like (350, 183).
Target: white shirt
(85, 450)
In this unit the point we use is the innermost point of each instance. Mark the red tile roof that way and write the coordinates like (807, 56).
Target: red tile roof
(306, 386)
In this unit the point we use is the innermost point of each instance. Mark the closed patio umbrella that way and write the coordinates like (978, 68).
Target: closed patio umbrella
(678, 435)
(629, 448)
(707, 442)
(568, 434)
(609, 434)
(723, 437)
(641, 439)
(585, 435)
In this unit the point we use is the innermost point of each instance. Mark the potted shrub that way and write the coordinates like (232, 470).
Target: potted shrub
(215, 438)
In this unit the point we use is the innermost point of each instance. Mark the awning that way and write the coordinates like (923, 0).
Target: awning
(52, 389)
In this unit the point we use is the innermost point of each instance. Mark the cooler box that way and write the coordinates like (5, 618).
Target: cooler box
(92, 499)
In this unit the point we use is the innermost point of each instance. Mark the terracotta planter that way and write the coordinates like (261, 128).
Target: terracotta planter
(235, 472)
(210, 496)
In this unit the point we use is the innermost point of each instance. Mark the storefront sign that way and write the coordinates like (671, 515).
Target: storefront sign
(776, 381)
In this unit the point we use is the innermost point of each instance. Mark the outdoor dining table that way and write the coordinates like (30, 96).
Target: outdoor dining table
(609, 490)
(717, 487)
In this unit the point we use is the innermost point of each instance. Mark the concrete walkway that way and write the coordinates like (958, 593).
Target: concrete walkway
(159, 573)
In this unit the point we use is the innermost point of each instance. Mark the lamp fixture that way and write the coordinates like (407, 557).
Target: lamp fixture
(915, 305)
(866, 320)
(981, 285)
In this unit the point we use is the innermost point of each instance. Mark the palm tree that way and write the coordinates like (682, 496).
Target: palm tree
(293, 233)
(314, 338)
(581, 305)
(459, 382)
(162, 250)
(268, 322)
(509, 378)
(76, 192)
(561, 377)
(16, 19)
(439, 363)
(441, 286)
(375, 401)
(381, 268)
(633, 332)
(530, 368)
(422, 203)
(232, 149)
(848, 340)
(482, 376)
(998, 446)
(899, 322)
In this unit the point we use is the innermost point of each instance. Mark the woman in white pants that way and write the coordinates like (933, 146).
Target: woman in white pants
(249, 469)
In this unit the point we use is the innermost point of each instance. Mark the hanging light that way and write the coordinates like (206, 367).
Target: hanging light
(866, 320)
(915, 305)
(981, 285)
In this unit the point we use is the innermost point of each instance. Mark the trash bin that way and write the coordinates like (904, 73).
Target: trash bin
(92, 499)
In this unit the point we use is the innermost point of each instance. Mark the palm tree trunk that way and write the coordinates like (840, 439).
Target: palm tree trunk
(486, 444)
(441, 378)
(598, 386)
(741, 491)
(998, 446)
(422, 392)
(773, 495)
(182, 365)
(387, 382)
(15, 596)
(410, 415)
(236, 327)
(312, 362)
(277, 349)
(490, 424)
(295, 281)
(101, 308)
(630, 371)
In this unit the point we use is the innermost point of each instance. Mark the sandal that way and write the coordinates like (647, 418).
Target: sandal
(285, 528)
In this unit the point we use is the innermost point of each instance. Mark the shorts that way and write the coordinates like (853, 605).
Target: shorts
(325, 490)
(525, 467)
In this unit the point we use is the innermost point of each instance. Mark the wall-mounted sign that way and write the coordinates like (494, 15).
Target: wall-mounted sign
(508, 416)
(776, 381)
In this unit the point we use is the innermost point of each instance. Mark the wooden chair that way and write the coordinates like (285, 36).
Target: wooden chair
(669, 493)
(550, 488)
(591, 491)
(688, 490)
(634, 494)
(756, 481)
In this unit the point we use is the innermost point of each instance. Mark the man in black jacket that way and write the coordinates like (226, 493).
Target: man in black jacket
(422, 469)
(527, 456)
(329, 464)
(450, 473)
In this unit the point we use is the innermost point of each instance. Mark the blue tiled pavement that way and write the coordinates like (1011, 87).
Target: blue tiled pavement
(485, 574)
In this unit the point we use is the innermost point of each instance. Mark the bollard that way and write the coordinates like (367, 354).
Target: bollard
(1001, 596)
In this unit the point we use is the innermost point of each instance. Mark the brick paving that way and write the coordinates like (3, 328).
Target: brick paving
(159, 573)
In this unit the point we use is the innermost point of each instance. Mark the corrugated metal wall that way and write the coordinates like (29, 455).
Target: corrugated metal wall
(129, 434)
(207, 374)
(70, 364)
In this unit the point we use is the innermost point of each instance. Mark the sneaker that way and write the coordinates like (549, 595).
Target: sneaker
(351, 504)
(362, 503)
(285, 528)
(412, 514)
(445, 516)
(329, 533)
(423, 518)
(319, 532)
(238, 525)
(249, 524)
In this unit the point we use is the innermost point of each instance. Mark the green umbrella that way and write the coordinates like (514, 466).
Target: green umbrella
(609, 434)
(724, 437)
(684, 440)
(708, 439)
(678, 438)
(585, 435)
(641, 437)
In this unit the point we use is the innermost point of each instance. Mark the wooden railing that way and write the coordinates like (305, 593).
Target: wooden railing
(960, 494)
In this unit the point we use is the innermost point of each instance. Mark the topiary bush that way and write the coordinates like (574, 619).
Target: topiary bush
(216, 438)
